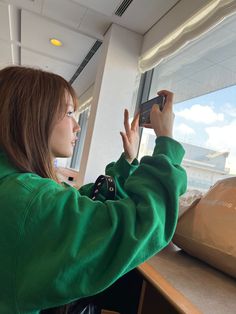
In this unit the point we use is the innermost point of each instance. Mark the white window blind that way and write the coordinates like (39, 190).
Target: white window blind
(203, 66)
(204, 20)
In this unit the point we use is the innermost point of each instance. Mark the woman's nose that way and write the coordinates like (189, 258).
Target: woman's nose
(76, 127)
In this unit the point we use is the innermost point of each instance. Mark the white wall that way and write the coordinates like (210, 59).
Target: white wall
(113, 91)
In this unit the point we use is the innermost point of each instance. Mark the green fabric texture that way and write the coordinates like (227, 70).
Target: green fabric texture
(57, 245)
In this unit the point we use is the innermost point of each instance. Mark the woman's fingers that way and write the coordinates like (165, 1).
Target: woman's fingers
(135, 122)
(162, 121)
(148, 126)
(169, 98)
(124, 139)
(126, 121)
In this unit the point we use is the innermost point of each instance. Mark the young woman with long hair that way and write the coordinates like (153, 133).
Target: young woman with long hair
(57, 245)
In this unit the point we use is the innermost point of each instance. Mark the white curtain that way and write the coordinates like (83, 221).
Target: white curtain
(203, 21)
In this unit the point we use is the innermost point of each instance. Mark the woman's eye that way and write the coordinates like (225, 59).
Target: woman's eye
(70, 113)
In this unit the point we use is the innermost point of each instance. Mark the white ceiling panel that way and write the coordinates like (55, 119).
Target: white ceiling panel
(64, 11)
(4, 22)
(102, 6)
(28, 58)
(36, 32)
(5, 52)
(78, 24)
(95, 23)
(32, 5)
(141, 15)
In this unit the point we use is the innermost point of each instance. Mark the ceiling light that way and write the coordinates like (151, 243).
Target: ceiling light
(55, 42)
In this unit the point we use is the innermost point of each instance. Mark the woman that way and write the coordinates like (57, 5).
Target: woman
(58, 245)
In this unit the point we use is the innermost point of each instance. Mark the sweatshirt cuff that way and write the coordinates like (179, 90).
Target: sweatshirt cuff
(123, 167)
(169, 147)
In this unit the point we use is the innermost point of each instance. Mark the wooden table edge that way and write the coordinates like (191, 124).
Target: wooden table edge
(176, 298)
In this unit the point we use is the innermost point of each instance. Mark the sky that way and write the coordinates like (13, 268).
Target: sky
(209, 121)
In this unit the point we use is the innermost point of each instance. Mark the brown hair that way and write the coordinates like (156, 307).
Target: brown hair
(31, 101)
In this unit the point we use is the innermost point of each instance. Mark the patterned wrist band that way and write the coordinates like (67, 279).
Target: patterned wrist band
(110, 185)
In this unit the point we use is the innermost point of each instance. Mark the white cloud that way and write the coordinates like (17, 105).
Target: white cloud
(229, 109)
(184, 129)
(201, 114)
(222, 139)
(183, 132)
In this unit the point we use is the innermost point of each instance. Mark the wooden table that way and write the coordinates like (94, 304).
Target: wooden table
(175, 282)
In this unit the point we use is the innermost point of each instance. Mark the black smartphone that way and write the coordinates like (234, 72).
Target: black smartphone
(145, 108)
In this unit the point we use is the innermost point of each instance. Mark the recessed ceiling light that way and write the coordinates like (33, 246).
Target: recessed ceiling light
(55, 42)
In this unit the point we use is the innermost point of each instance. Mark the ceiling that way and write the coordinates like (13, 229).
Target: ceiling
(27, 25)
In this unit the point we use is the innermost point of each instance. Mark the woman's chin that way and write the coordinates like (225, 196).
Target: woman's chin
(65, 154)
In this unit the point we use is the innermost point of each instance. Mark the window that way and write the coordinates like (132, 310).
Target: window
(203, 77)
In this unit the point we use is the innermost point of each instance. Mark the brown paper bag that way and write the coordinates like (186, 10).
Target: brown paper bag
(207, 230)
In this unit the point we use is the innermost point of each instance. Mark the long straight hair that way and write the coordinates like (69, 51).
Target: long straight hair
(31, 102)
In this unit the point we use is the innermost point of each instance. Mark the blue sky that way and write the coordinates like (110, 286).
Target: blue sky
(209, 121)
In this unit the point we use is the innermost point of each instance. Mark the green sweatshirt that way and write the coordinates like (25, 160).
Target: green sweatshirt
(57, 245)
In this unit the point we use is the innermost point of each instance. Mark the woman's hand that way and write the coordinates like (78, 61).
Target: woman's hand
(162, 121)
(130, 137)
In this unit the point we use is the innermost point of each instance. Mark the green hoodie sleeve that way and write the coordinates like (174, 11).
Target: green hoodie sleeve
(73, 247)
(120, 171)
